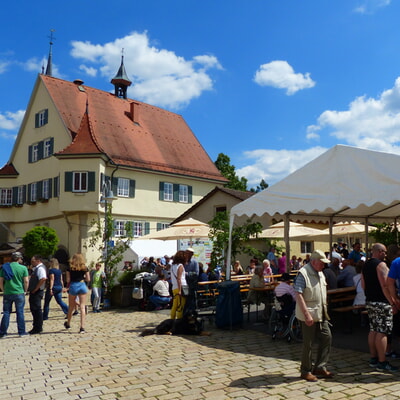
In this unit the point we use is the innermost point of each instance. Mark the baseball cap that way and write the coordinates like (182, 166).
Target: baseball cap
(16, 255)
(190, 249)
(319, 255)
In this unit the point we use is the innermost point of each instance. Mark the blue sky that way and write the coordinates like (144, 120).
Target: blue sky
(270, 83)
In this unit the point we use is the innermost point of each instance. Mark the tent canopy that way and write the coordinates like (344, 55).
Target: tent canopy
(345, 183)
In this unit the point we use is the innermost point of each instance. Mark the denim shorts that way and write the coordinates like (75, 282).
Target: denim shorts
(77, 288)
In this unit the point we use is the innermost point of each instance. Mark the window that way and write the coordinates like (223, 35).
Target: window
(20, 195)
(220, 209)
(175, 192)
(45, 189)
(138, 229)
(48, 148)
(162, 225)
(306, 247)
(35, 152)
(6, 197)
(119, 228)
(123, 187)
(80, 182)
(183, 194)
(33, 192)
(41, 118)
(168, 192)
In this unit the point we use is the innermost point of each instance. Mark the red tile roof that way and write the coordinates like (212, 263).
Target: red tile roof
(8, 169)
(158, 140)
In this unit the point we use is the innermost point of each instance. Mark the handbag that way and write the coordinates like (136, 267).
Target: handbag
(185, 290)
(137, 292)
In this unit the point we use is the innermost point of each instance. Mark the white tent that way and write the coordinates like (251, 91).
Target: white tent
(345, 183)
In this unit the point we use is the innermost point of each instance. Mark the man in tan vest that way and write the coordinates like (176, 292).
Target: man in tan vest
(311, 310)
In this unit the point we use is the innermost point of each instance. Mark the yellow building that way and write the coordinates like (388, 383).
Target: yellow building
(75, 140)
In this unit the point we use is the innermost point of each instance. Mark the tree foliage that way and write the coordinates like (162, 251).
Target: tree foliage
(263, 185)
(219, 234)
(223, 163)
(386, 234)
(40, 240)
(110, 253)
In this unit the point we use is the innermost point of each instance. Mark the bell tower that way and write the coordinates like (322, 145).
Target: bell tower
(121, 81)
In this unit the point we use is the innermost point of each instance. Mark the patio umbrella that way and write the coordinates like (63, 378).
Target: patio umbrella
(296, 230)
(186, 229)
(348, 228)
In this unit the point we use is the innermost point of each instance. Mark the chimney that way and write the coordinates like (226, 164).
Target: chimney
(135, 112)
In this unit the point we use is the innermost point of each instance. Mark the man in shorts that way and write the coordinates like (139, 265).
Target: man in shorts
(380, 306)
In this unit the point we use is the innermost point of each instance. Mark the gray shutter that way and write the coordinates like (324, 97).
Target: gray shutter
(146, 228)
(91, 181)
(68, 181)
(37, 120)
(132, 185)
(161, 191)
(176, 192)
(40, 150)
(30, 154)
(55, 186)
(50, 193)
(159, 225)
(190, 190)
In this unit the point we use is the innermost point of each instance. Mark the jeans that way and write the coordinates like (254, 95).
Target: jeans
(35, 304)
(57, 293)
(96, 297)
(8, 300)
(159, 301)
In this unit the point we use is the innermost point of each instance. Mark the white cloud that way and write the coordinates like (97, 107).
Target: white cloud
(368, 122)
(3, 66)
(35, 64)
(88, 70)
(159, 76)
(274, 165)
(370, 6)
(11, 121)
(280, 74)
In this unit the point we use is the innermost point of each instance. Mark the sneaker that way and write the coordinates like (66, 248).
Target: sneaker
(373, 362)
(82, 330)
(392, 354)
(67, 325)
(385, 366)
(75, 313)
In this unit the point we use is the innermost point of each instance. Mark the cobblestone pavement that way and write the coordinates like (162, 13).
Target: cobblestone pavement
(110, 361)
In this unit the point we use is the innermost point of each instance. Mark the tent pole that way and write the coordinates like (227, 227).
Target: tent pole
(366, 237)
(287, 243)
(330, 236)
(228, 256)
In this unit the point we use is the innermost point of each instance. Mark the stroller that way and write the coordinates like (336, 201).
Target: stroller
(283, 322)
(145, 282)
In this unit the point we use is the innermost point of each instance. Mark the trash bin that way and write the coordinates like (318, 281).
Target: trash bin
(229, 311)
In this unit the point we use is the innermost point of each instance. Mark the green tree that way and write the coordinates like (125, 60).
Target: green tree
(111, 253)
(219, 234)
(223, 163)
(386, 234)
(263, 185)
(40, 240)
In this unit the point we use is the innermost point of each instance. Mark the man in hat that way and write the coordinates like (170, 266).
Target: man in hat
(14, 284)
(311, 311)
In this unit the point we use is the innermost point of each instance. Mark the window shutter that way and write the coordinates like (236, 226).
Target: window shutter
(37, 120)
(50, 193)
(55, 186)
(30, 154)
(159, 226)
(190, 190)
(146, 228)
(176, 192)
(114, 186)
(39, 188)
(161, 191)
(46, 116)
(40, 150)
(68, 181)
(51, 149)
(91, 181)
(24, 194)
(29, 192)
(132, 185)
(14, 195)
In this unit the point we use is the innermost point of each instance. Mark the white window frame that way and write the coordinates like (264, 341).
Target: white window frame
(80, 181)
(183, 193)
(41, 118)
(35, 152)
(46, 148)
(6, 197)
(164, 225)
(33, 193)
(119, 228)
(138, 228)
(168, 191)
(20, 195)
(45, 189)
(123, 187)
(306, 246)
